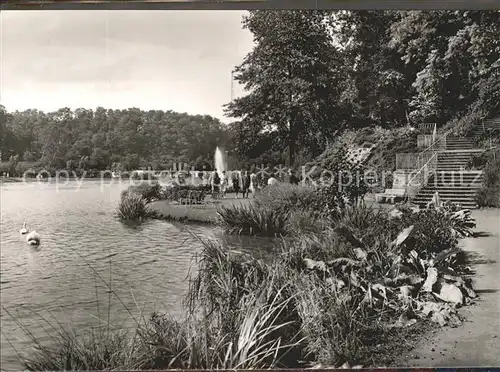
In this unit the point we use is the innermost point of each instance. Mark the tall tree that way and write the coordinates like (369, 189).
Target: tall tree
(377, 86)
(291, 77)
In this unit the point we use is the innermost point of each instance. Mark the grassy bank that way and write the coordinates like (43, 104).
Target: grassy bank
(329, 297)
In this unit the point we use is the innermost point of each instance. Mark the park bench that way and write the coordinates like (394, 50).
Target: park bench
(390, 195)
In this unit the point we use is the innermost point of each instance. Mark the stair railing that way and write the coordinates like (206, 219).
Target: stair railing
(427, 166)
(419, 179)
(427, 128)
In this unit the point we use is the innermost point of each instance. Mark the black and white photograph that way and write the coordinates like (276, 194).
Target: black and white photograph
(249, 189)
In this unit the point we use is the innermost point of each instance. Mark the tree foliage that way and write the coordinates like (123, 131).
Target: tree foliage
(310, 75)
(363, 68)
(100, 139)
(291, 78)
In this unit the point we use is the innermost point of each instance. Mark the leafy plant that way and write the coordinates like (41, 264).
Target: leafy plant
(489, 194)
(147, 191)
(252, 220)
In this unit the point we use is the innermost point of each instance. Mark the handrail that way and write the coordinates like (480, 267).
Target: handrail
(439, 139)
(432, 150)
(426, 177)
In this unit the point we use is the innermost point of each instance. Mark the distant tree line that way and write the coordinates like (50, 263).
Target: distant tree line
(110, 139)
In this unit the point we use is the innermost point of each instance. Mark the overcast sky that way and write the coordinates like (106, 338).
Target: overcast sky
(169, 60)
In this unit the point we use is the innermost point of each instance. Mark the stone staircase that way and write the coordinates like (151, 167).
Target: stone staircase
(459, 143)
(451, 180)
(493, 123)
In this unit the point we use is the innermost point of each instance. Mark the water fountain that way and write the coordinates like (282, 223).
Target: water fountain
(220, 161)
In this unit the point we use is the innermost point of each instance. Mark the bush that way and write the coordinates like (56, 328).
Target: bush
(252, 220)
(463, 125)
(178, 192)
(284, 208)
(302, 222)
(489, 194)
(147, 191)
(132, 206)
(477, 161)
(285, 197)
(488, 138)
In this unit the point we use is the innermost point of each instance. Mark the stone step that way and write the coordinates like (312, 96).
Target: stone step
(445, 188)
(452, 162)
(456, 156)
(450, 170)
(454, 185)
(426, 199)
(469, 193)
(464, 205)
(465, 151)
(457, 180)
(453, 165)
(454, 197)
(451, 186)
(450, 167)
(455, 174)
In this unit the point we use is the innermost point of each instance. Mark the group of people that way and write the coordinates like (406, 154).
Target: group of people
(244, 182)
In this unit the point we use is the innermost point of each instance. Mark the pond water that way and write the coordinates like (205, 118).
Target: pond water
(84, 251)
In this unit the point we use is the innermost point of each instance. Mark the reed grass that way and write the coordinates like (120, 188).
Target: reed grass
(252, 220)
(131, 206)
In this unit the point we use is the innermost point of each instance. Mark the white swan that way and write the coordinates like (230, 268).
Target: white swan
(33, 238)
(24, 230)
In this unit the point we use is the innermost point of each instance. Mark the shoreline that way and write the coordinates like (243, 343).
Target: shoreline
(197, 213)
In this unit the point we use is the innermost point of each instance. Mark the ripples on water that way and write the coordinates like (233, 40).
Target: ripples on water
(146, 265)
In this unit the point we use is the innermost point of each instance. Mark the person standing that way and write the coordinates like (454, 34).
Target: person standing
(246, 184)
(253, 183)
(236, 183)
(223, 184)
(215, 184)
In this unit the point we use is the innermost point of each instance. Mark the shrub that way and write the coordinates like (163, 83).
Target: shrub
(147, 191)
(284, 208)
(432, 233)
(252, 220)
(477, 161)
(284, 197)
(464, 124)
(302, 222)
(178, 192)
(132, 206)
(489, 194)
(488, 138)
